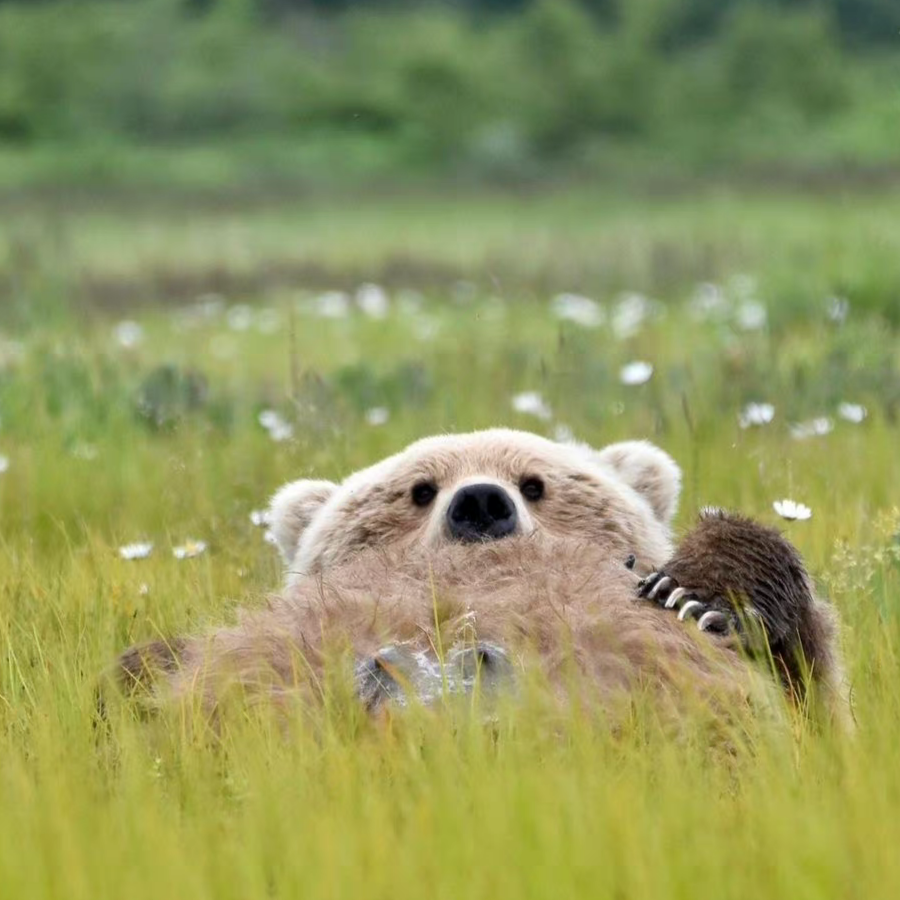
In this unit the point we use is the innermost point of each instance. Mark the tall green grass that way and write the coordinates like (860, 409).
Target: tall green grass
(532, 804)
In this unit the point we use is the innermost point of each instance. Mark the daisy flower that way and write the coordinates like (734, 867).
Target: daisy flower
(791, 510)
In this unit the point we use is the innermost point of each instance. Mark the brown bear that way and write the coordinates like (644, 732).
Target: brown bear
(471, 559)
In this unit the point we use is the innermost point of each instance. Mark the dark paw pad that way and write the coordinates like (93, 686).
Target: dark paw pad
(484, 663)
(401, 674)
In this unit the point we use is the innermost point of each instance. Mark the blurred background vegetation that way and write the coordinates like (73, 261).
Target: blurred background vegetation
(328, 93)
(248, 241)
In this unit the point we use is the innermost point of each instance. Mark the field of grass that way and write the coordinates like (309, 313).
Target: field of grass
(142, 337)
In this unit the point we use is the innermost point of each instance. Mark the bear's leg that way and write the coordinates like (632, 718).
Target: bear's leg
(139, 667)
(734, 576)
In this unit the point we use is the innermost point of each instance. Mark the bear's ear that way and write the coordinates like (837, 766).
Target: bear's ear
(293, 508)
(648, 470)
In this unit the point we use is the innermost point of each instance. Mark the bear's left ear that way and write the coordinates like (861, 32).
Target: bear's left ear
(293, 508)
(648, 470)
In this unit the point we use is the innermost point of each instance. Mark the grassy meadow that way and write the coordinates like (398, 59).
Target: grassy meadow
(145, 340)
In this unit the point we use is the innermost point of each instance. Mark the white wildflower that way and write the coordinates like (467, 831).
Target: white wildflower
(129, 334)
(634, 373)
(373, 300)
(630, 314)
(791, 510)
(138, 550)
(269, 418)
(852, 412)
(709, 302)
(751, 315)
(278, 427)
(837, 309)
(84, 452)
(208, 306)
(531, 403)
(281, 432)
(578, 309)
(756, 414)
(4, 464)
(261, 518)
(377, 415)
(818, 427)
(240, 317)
(189, 549)
(332, 305)
(563, 434)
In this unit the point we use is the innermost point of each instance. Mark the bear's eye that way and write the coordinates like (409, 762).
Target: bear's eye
(532, 488)
(424, 492)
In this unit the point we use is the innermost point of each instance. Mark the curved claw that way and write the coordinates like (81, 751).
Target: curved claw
(645, 585)
(715, 621)
(665, 591)
(692, 608)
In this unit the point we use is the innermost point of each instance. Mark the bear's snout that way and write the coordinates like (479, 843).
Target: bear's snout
(481, 512)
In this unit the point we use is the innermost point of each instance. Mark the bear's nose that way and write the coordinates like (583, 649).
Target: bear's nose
(481, 512)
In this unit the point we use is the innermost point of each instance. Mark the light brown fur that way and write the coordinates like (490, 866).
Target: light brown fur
(562, 606)
(621, 497)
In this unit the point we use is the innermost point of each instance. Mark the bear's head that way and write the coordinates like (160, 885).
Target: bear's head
(484, 487)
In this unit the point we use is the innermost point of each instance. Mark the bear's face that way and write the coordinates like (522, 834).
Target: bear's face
(481, 487)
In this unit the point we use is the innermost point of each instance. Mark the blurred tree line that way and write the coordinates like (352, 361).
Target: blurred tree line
(876, 21)
(494, 85)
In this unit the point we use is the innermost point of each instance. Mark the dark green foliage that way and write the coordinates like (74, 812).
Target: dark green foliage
(449, 86)
(408, 385)
(792, 60)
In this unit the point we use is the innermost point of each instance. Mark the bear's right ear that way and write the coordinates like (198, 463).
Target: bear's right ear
(293, 508)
